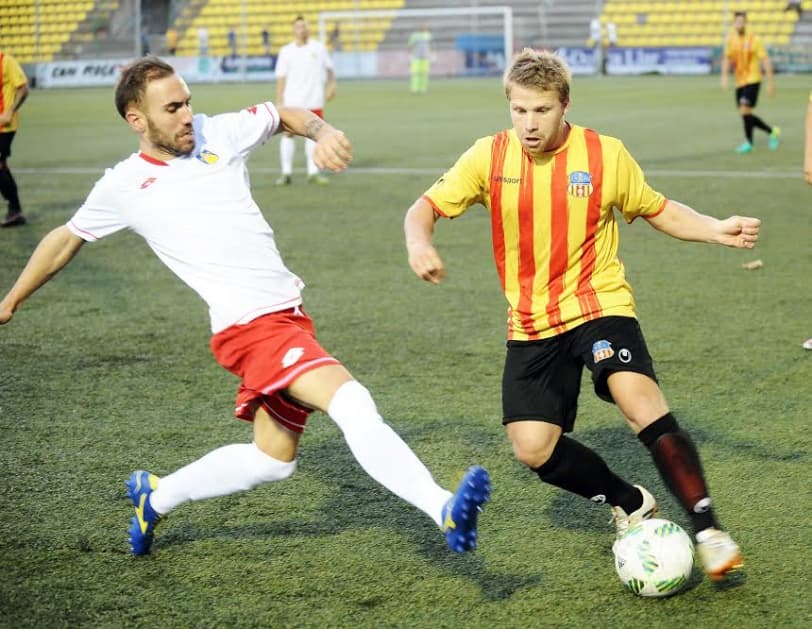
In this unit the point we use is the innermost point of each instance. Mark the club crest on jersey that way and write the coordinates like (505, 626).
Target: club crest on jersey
(207, 157)
(580, 184)
(601, 350)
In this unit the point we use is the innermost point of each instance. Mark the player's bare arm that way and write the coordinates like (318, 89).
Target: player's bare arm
(419, 230)
(725, 71)
(54, 251)
(682, 222)
(769, 73)
(19, 97)
(333, 148)
(330, 88)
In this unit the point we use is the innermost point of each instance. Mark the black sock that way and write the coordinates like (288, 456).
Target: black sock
(760, 124)
(748, 127)
(677, 459)
(576, 468)
(8, 188)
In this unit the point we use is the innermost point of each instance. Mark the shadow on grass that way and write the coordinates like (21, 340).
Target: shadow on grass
(356, 502)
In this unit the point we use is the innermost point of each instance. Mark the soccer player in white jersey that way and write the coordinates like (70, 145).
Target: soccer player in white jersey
(304, 78)
(186, 192)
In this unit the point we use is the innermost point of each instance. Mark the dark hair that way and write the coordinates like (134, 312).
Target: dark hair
(298, 18)
(133, 80)
(740, 14)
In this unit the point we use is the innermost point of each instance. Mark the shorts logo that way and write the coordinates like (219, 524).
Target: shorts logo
(291, 356)
(207, 157)
(624, 355)
(702, 506)
(602, 350)
(599, 499)
(580, 184)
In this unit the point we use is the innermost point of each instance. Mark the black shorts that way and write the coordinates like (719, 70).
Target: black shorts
(747, 95)
(542, 379)
(5, 144)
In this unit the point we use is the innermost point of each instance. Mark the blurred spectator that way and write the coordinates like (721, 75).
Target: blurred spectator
(203, 41)
(611, 34)
(266, 41)
(232, 42)
(596, 42)
(144, 41)
(172, 40)
(794, 5)
(335, 38)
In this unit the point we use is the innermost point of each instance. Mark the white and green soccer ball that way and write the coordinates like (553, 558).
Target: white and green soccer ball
(654, 558)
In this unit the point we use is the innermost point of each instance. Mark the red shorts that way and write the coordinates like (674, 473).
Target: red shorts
(318, 112)
(269, 353)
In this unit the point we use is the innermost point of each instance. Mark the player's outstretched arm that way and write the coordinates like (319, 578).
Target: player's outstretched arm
(54, 251)
(419, 229)
(682, 222)
(333, 148)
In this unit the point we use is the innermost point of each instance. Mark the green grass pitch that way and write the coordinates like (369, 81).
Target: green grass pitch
(107, 369)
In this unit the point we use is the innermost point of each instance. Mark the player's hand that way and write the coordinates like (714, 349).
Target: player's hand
(770, 88)
(739, 231)
(808, 177)
(426, 263)
(5, 118)
(333, 151)
(723, 81)
(330, 92)
(6, 313)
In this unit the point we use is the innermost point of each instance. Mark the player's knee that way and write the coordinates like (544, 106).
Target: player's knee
(534, 452)
(352, 406)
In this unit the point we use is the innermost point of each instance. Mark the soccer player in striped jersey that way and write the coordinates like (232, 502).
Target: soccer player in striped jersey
(553, 189)
(745, 52)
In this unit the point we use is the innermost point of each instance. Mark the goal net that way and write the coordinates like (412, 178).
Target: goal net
(376, 43)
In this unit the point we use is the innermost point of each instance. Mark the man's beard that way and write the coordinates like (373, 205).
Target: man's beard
(166, 145)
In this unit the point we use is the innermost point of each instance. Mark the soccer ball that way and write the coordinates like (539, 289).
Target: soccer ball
(654, 558)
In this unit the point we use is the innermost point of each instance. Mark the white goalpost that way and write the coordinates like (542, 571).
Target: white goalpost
(359, 55)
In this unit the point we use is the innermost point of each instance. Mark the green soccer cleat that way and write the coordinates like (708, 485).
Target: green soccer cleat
(744, 148)
(461, 511)
(774, 140)
(318, 180)
(142, 525)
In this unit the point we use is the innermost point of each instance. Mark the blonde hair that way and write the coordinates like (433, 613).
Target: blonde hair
(539, 69)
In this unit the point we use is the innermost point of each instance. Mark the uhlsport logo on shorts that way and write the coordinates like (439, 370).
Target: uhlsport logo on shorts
(602, 350)
(207, 157)
(580, 184)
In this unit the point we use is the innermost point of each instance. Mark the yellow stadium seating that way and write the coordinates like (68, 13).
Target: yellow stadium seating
(32, 33)
(695, 22)
(218, 16)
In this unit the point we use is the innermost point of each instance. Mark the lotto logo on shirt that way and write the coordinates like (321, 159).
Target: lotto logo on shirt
(580, 184)
(207, 157)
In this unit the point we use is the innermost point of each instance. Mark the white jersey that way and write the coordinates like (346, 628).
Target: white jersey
(305, 71)
(197, 214)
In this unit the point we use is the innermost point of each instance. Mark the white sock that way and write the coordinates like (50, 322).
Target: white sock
(310, 148)
(382, 453)
(287, 149)
(226, 470)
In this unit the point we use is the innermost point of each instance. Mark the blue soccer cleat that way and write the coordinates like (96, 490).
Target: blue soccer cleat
(142, 526)
(461, 511)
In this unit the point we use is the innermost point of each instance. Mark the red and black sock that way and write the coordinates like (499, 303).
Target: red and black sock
(677, 460)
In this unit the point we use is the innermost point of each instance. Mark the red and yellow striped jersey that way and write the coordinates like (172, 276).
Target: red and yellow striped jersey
(745, 52)
(12, 78)
(555, 236)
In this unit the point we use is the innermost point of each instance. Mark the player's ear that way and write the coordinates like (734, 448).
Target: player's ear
(566, 107)
(136, 119)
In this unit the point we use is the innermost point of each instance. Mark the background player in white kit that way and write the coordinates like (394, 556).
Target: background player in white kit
(186, 192)
(304, 78)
